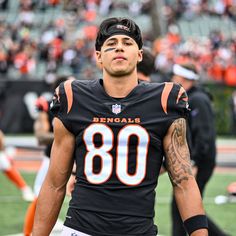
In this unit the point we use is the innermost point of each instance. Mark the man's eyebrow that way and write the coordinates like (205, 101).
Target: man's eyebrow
(128, 39)
(111, 39)
(114, 39)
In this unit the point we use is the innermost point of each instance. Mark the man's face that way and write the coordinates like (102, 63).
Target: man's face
(119, 55)
(177, 79)
(186, 83)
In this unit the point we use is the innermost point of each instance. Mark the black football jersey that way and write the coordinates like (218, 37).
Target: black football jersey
(118, 152)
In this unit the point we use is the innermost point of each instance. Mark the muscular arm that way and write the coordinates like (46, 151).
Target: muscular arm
(54, 187)
(42, 129)
(178, 165)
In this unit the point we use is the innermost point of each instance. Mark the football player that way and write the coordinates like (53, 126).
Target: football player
(118, 130)
(43, 130)
(13, 174)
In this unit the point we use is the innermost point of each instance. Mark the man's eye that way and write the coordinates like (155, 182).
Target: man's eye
(128, 43)
(111, 44)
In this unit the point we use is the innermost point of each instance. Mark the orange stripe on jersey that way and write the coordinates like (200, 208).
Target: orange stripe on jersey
(181, 91)
(165, 94)
(69, 94)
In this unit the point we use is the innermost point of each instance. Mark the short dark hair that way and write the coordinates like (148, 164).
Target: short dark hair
(146, 66)
(118, 25)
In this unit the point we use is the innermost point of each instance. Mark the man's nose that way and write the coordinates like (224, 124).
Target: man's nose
(119, 46)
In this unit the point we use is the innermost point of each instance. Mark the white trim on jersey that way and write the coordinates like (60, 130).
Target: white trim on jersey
(68, 231)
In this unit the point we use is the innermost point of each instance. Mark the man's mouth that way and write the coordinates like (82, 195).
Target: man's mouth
(119, 58)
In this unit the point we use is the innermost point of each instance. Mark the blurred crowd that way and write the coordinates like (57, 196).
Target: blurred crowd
(33, 47)
(215, 57)
(189, 9)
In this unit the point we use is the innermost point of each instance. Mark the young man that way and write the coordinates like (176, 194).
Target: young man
(202, 139)
(118, 130)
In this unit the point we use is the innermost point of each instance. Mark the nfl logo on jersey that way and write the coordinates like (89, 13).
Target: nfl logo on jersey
(116, 109)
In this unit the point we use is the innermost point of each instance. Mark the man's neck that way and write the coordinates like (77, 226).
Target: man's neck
(119, 87)
(188, 85)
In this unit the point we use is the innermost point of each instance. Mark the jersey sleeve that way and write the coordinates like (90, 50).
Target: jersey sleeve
(174, 101)
(181, 105)
(61, 104)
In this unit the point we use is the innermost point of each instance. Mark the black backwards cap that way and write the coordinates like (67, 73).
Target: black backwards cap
(114, 26)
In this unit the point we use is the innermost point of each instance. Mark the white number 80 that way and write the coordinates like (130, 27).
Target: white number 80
(122, 153)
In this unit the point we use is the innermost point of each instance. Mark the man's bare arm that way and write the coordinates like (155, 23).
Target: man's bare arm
(178, 165)
(54, 187)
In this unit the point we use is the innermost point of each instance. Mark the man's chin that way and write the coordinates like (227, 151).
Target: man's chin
(120, 73)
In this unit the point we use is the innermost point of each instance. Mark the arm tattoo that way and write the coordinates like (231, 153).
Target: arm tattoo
(177, 154)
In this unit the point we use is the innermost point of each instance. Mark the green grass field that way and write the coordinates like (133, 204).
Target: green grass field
(13, 208)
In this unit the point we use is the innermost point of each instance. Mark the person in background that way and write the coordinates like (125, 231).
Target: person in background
(117, 130)
(201, 139)
(146, 67)
(13, 174)
(43, 130)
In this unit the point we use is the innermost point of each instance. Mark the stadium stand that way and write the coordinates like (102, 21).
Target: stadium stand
(40, 39)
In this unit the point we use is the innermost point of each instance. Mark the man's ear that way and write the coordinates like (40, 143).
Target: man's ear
(98, 59)
(140, 55)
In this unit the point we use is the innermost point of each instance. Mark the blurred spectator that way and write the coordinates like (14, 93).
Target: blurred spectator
(24, 60)
(105, 7)
(26, 15)
(216, 70)
(135, 8)
(3, 60)
(3, 4)
(53, 2)
(230, 75)
(218, 7)
(231, 10)
(75, 56)
(216, 38)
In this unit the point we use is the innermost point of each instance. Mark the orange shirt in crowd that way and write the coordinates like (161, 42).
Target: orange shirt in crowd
(230, 75)
(216, 72)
